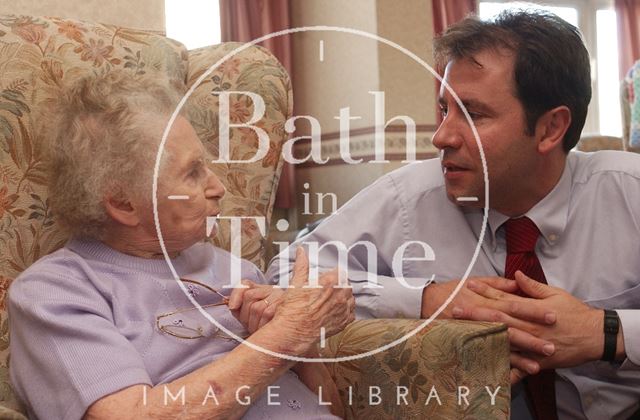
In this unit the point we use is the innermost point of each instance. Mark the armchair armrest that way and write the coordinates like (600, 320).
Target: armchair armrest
(449, 369)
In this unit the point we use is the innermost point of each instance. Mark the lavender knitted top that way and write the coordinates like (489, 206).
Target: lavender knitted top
(83, 326)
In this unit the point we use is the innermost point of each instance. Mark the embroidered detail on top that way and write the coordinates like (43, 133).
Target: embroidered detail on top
(193, 290)
(294, 404)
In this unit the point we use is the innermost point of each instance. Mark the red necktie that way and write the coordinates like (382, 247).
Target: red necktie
(522, 235)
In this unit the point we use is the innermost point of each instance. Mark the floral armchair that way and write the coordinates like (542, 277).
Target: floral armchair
(38, 55)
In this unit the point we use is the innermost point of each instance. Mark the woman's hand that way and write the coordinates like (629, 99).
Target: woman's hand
(255, 305)
(305, 310)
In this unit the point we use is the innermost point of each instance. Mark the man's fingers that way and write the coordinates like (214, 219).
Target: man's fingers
(500, 283)
(532, 288)
(523, 364)
(516, 306)
(480, 313)
(528, 311)
(530, 343)
(300, 268)
(484, 289)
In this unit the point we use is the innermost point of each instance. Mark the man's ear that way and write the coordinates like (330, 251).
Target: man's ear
(120, 208)
(551, 128)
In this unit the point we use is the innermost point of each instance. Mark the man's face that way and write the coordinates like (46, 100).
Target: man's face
(183, 222)
(486, 87)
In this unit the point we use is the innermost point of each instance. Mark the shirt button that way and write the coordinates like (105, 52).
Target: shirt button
(553, 237)
(588, 401)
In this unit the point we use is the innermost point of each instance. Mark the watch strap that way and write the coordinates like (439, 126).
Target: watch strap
(611, 327)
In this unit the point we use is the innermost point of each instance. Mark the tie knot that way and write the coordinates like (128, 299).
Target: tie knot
(522, 235)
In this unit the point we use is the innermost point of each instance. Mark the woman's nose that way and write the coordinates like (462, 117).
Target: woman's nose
(215, 188)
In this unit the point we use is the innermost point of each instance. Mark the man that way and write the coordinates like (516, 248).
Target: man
(569, 219)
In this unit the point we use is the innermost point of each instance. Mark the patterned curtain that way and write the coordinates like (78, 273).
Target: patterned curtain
(246, 20)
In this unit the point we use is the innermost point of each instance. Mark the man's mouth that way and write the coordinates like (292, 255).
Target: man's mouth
(449, 167)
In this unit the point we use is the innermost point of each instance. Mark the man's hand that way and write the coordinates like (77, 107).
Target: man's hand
(469, 304)
(576, 335)
(435, 294)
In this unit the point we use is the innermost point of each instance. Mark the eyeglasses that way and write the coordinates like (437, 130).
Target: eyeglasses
(173, 323)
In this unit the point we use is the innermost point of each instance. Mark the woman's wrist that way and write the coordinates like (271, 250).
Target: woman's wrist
(278, 337)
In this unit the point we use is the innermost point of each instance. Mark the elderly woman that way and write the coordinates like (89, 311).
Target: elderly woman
(101, 329)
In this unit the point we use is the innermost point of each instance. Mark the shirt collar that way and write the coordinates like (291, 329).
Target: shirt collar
(549, 214)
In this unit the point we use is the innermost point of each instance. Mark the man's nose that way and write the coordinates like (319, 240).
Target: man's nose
(450, 134)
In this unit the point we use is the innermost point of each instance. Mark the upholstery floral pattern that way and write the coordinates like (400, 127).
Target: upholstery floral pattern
(442, 356)
(39, 55)
(251, 187)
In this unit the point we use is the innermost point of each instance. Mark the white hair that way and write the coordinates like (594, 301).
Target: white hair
(102, 136)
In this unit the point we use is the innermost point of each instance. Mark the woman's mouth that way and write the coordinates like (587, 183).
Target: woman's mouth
(212, 223)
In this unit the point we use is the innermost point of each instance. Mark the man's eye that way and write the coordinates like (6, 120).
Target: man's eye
(443, 111)
(475, 116)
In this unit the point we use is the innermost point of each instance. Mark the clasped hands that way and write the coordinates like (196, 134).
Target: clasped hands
(301, 310)
(548, 328)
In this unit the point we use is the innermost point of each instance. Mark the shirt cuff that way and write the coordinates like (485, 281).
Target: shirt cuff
(390, 298)
(630, 323)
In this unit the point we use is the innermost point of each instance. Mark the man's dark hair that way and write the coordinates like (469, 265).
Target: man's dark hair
(551, 69)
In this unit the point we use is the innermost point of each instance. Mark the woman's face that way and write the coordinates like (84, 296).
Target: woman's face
(188, 192)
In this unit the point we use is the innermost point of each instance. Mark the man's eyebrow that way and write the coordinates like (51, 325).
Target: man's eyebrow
(476, 105)
(472, 103)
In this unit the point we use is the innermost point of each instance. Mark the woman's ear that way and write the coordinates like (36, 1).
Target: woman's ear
(120, 208)
(551, 128)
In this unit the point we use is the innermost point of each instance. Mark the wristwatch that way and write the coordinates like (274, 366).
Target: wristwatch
(611, 327)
